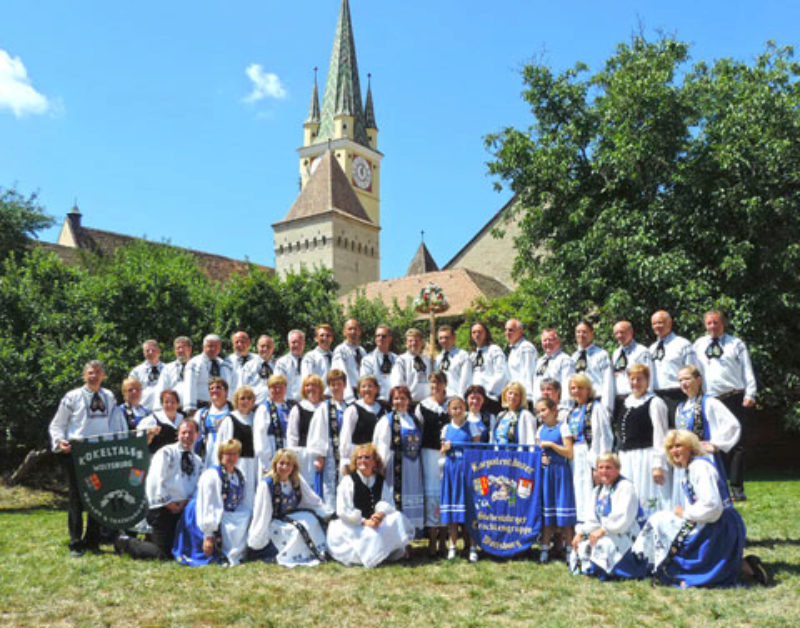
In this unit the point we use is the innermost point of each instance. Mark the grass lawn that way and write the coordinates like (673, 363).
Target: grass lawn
(41, 585)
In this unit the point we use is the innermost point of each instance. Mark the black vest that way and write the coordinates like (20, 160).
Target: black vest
(365, 498)
(166, 436)
(432, 425)
(305, 423)
(633, 428)
(365, 426)
(244, 434)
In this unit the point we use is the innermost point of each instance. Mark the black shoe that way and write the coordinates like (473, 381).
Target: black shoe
(737, 494)
(76, 552)
(760, 573)
(121, 544)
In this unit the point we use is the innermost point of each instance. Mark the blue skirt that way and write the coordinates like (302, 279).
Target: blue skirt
(188, 545)
(558, 494)
(710, 558)
(452, 506)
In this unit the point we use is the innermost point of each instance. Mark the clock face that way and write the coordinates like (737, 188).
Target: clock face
(314, 165)
(362, 173)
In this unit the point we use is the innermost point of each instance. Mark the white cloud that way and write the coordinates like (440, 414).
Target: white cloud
(16, 91)
(265, 84)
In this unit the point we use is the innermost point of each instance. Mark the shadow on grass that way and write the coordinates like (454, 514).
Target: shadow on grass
(784, 568)
(771, 543)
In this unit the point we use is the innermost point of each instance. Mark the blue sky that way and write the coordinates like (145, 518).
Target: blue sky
(146, 112)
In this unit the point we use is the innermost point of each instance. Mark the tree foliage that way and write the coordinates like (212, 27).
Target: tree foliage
(57, 317)
(20, 219)
(652, 185)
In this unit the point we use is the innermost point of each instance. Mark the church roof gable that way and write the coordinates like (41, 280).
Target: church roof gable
(327, 189)
(422, 262)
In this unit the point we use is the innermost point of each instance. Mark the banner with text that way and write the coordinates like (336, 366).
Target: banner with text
(503, 498)
(111, 471)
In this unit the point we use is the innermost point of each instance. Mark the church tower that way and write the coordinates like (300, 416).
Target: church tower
(335, 220)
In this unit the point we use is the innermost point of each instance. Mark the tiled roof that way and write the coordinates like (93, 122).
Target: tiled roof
(342, 86)
(327, 190)
(461, 286)
(422, 262)
(216, 267)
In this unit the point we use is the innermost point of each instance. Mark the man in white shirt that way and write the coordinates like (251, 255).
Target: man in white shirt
(379, 363)
(240, 357)
(728, 375)
(202, 367)
(171, 483)
(521, 357)
(669, 353)
(628, 353)
(318, 361)
(289, 365)
(553, 364)
(148, 372)
(257, 372)
(595, 363)
(454, 362)
(347, 357)
(83, 412)
(173, 375)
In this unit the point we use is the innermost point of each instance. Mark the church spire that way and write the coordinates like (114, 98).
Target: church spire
(313, 110)
(342, 87)
(369, 111)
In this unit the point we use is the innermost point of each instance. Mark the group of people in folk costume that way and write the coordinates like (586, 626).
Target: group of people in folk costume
(343, 453)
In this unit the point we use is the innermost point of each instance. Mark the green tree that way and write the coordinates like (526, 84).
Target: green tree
(654, 185)
(47, 333)
(20, 219)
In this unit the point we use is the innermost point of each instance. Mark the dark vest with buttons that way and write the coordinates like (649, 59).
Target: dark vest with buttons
(365, 425)
(244, 434)
(365, 498)
(633, 429)
(432, 425)
(305, 423)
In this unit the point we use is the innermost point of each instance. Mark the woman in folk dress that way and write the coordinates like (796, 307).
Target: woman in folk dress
(369, 529)
(286, 526)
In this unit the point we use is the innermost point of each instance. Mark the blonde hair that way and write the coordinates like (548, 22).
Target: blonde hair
(520, 389)
(639, 368)
(232, 446)
(685, 438)
(277, 379)
(372, 451)
(611, 457)
(129, 382)
(294, 477)
(312, 379)
(582, 381)
(239, 392)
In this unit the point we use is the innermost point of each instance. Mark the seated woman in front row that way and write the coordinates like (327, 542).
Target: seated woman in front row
(701, 544)
(602, 542)
(369, 530)
(286, 527)
(213, 527)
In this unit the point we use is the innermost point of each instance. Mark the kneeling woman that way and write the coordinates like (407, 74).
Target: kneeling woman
(602, 542)
(701, 544)
(369, 530)
(214, 524)
(286, 526)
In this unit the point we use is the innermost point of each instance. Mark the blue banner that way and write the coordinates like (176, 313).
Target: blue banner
(503, 498)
